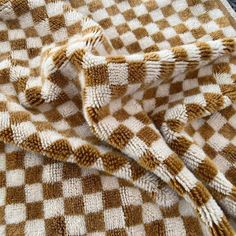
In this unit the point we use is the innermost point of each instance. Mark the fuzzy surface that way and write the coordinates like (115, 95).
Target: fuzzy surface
(117, 117)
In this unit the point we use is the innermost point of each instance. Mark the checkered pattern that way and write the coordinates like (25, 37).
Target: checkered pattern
(143, 26)
(76, 88)
(44, 197)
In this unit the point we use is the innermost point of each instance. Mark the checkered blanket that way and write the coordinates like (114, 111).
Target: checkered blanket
(117, 117)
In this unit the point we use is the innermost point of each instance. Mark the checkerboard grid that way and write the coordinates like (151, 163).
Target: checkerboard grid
(180, 89)
(28, 40)
(116, 199)
(152, 15)
(214, 125)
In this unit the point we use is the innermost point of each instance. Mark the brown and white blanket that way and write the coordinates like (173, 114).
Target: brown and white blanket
(117, 117)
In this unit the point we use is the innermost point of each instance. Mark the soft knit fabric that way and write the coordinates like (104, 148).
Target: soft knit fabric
(117, 117)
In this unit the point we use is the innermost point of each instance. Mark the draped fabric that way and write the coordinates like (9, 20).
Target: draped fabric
(117, 117)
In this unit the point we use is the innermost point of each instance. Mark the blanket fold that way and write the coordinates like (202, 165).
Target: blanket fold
(161, 117)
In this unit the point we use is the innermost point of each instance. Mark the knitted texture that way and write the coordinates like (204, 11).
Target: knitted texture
(117, 117)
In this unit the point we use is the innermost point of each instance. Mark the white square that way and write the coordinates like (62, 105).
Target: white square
(52, 172)
(2, 229)
(114, 218)
(192, 23)
(228, 31)
(132, 107)
(210, 27)
(71, 17)
(35, 42)
(198, 98)
(75, 225)
(131, 196)
(136, 147)
(70, 70)
(34, 228)
(156, 15)
(232, 121)
(32, 159)
(43, 28)
(174, 223)
(88, 171)
(15, 213)
(67, 109)
(198, 9)
(134, 24)
(22, 131)
(169, 32)
(185, 209)
(187, 38)
(2, 162)
(16, 34)
(215, 13)
(118, 19)
(112, 32)
(135, 230)
(5, 47)
(205, 71)
(118, 73)
(100, 15)
(93, 202)
(109, 182)
(163, 90)
(140, 10)
(151, 212)
(179, 5)
(48, 137)
(115, 105)
(151, 28)
(60, 35)
(198, 139)
(26, 20)
(72, 187)
(186, 179)
(53, 207)
(190, 84)
(149, 105)
(107, 126)
(122, 5)
(15, 178)
(162, 3)
(20, 55)
(221, 121)
(146, 42)
(161, 149)
(98, 96)
(134, 124)
(176, 97)
(33, 82)
(2, 196)
(33, 192)
(54, 8)
(174, 20)
(212, 88)
(218, 141)
(71, 90)
(222, 163)
(128, 38)
(61, 125)
(34, 4)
